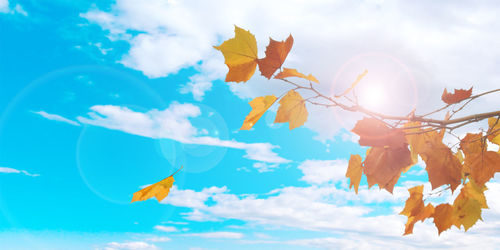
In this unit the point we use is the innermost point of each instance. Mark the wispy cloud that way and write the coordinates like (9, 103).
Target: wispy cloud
(15, 171)
(217, 235)
(55, 117)
(172, 123)
(133, 245)
(17, 9)
(168, 229)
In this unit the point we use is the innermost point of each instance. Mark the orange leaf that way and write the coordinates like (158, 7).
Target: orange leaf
(383, 166)
(373, 132)
(276, 53)
(292, 110)
(294, 73)
(481, 164)
(159, 190)
(240, 54)
(259, 107)
(458, 96)
(414, 208)
(494, 130)
(354, 172)
(444, 217)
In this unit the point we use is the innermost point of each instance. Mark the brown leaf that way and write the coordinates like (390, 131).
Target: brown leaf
(354, 172)
(259, 107)
(292, 109)
(383, 166)
(457, 96)
(374, 133)
(276, 53)
(481, 164)
(240, 54)
(294, 73)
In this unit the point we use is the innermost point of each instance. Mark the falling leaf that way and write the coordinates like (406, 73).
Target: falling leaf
(383, 166)
(468, 205)
(292, 109)
(458, 96)
(240, 54)
(354, 172)
(375, 133)
(444, 217)
(159, 190)
(276, 53)
(259, 107)
(353, 84)
(294, 73)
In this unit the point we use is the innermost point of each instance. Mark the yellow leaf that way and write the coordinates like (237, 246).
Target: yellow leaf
(292, 110)
(240, 54)
(354, 171)
(494, 130)
(294, 73)
(444, 217)
(353, 84)
(259, 107)
(159, 190)
(468, 204)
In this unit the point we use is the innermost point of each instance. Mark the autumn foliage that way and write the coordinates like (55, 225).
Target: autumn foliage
(395, 143)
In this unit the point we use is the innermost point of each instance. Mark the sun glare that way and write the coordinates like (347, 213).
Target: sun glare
(373, 97)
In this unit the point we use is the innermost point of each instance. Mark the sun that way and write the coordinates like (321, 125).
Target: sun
(373, 97)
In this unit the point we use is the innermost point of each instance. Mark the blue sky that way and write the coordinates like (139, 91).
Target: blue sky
(99, 99)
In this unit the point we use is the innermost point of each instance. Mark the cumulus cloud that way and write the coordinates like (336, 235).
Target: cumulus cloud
(58, 118)
(417, 46)
(318, 172)
(172, 123)
(15, 171)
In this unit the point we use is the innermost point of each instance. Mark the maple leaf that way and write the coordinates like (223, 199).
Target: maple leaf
(240, 54)
(383, 166)
(259, 107)
(458, 96)
(292, 109)
(375, 133)
(468, 204)
(354, 172)
(276, 53)
(444, 217)
(294, 73)
(353, 84)
(479, 163)
(159, 190)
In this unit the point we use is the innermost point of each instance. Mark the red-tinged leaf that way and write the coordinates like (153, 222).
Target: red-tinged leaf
(458, 96)
(294, 73)
(276, 53)
(374, 133)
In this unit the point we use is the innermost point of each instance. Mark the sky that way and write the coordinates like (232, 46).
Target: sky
(99, 99)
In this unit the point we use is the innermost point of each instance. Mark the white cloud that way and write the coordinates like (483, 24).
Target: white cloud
(58, 118)
(168, 229)
(263, 167)
(420, 46)
(172, 123)
(217, 235)
(158, 239)
(133, 245)
(318, 172)
(18, 9)
(15, 171)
